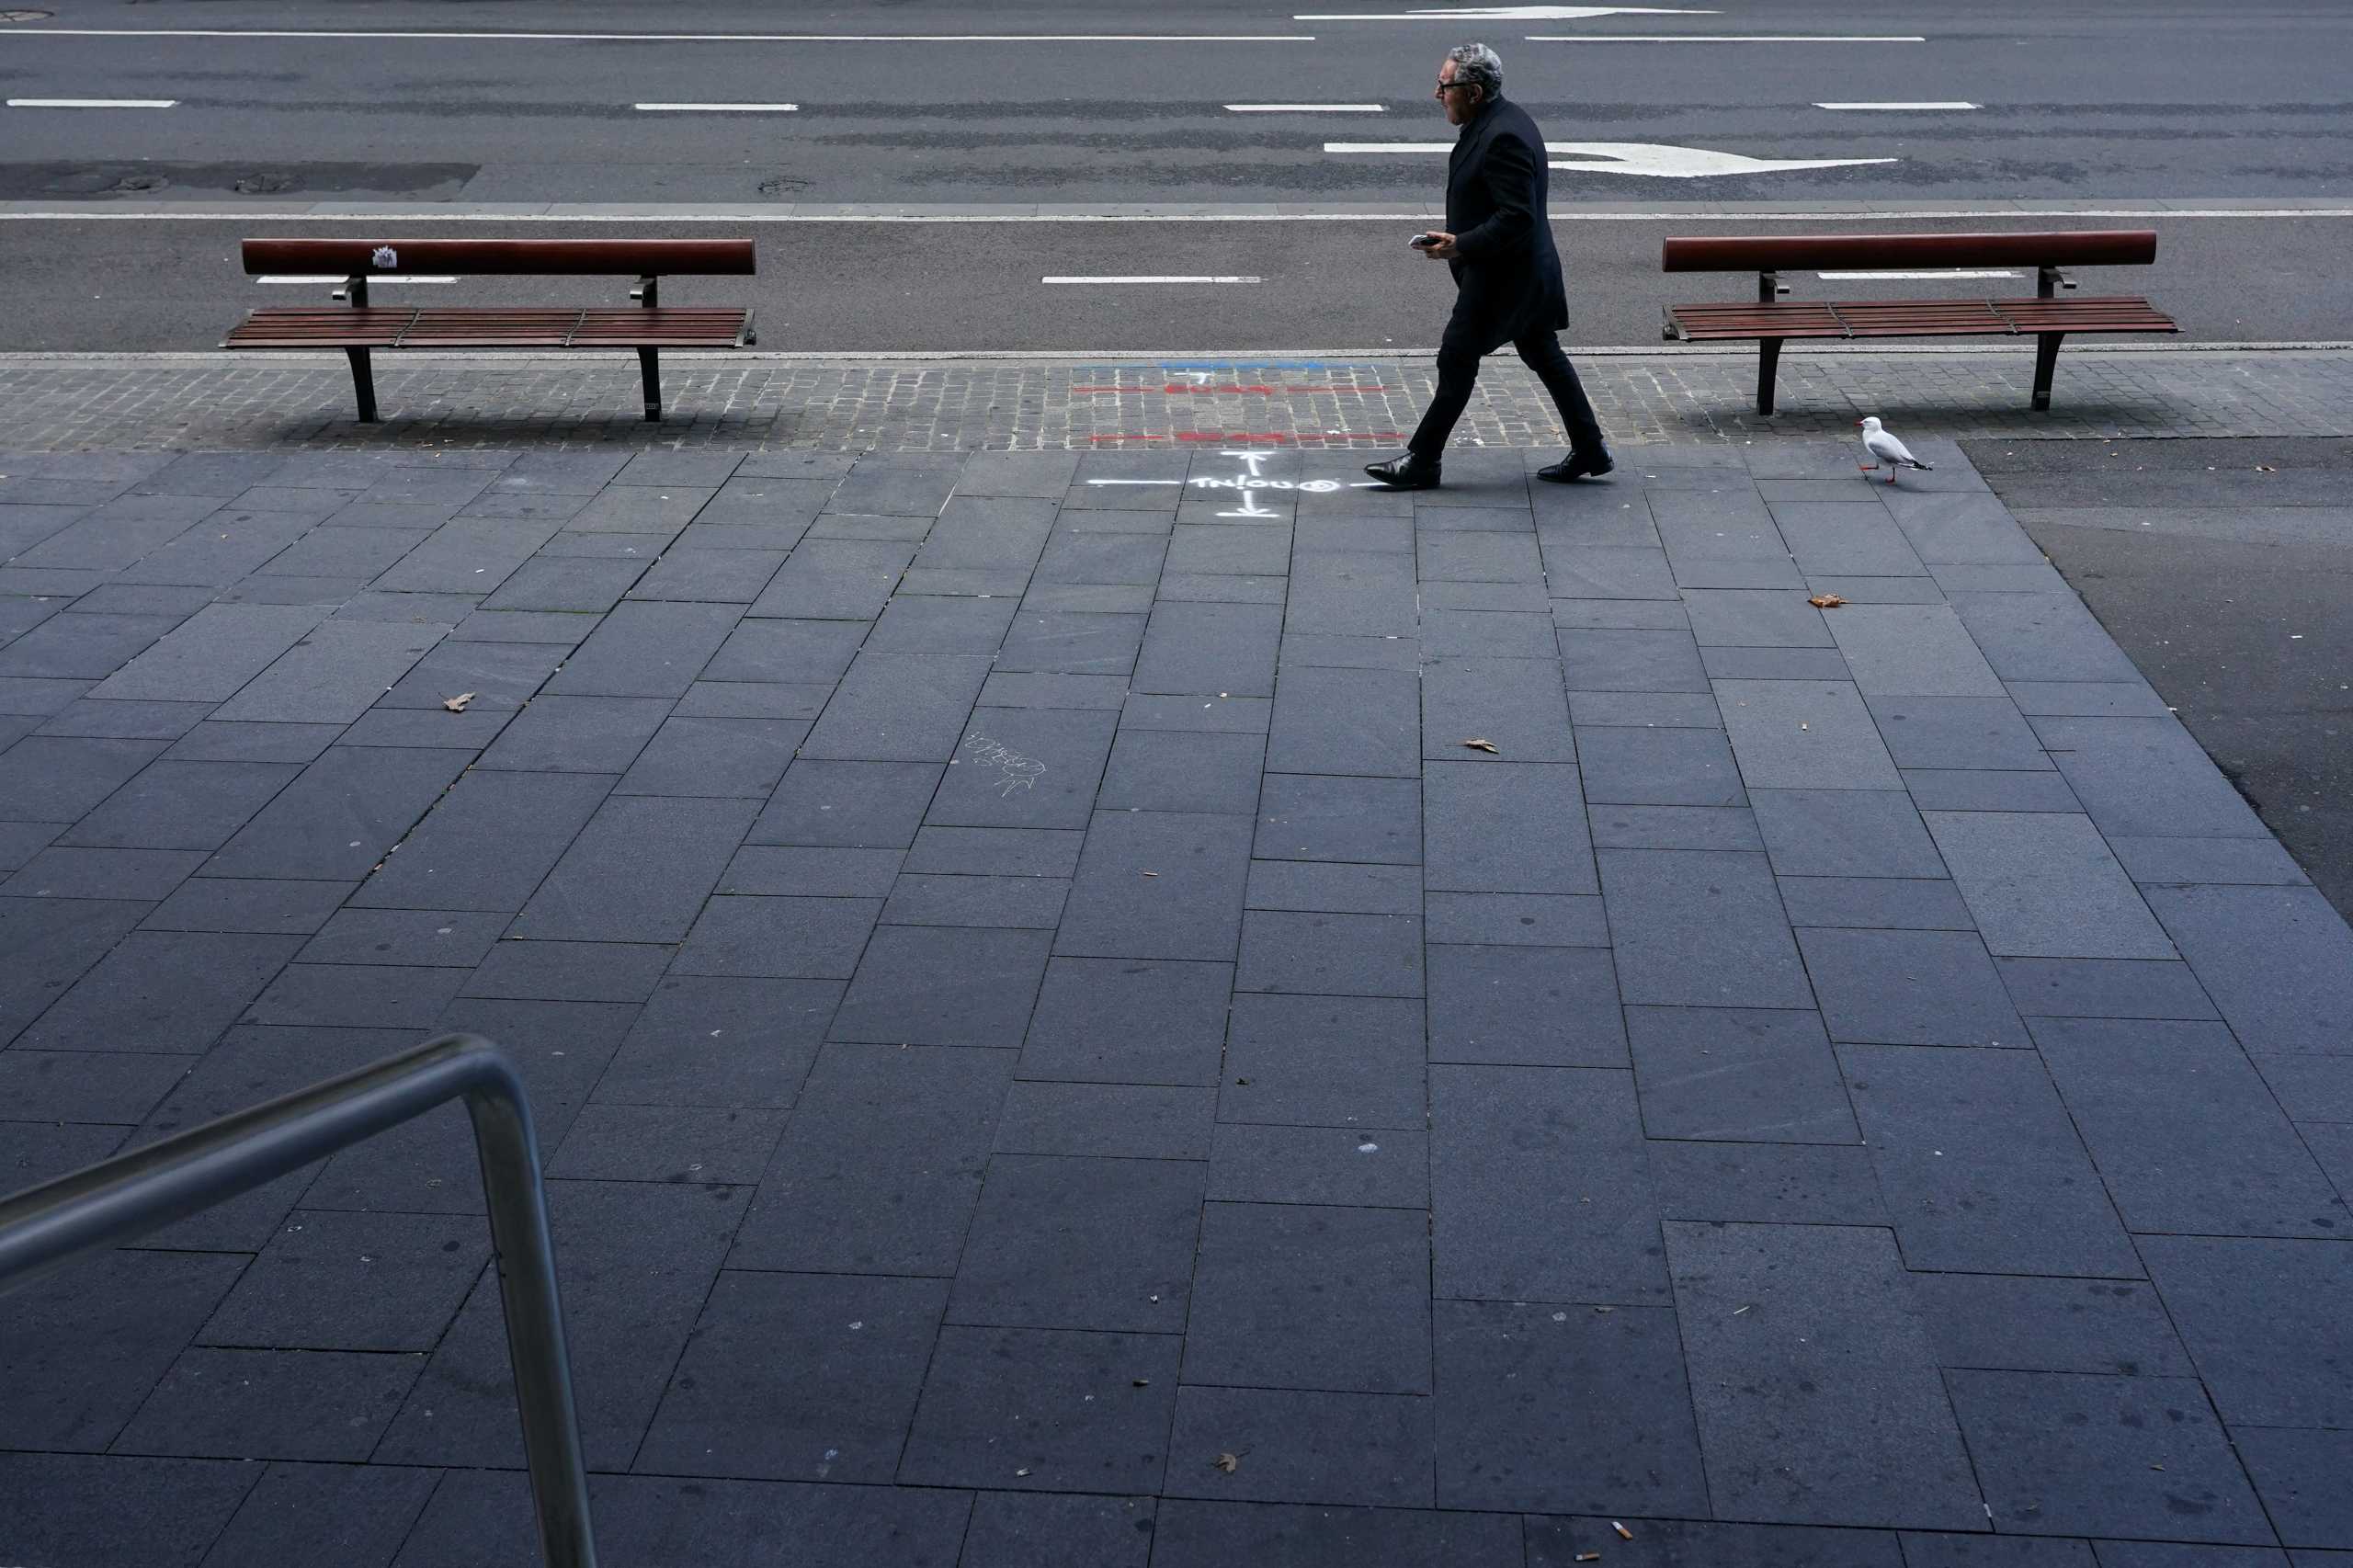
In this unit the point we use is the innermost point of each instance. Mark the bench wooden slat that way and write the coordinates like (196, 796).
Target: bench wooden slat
(296, 327)
(668, 328)
(469, 327)
(1916, 318)
(537, 258)
(1775, 253)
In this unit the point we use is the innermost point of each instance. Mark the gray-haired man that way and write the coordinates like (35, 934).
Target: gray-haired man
(1498, 241)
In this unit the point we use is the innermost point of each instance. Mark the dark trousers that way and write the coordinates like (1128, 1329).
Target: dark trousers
(1458, 372)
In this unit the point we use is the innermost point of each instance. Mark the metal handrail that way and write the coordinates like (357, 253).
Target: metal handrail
(115, 1200)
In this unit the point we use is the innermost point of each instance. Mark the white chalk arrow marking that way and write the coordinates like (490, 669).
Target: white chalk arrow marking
(1635, 158)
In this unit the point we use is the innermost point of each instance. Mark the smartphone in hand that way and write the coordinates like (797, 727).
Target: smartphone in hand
(1422, 242)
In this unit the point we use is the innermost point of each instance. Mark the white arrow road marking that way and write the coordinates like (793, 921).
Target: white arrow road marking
(1683, 163)
(1508, 14)
(1633, 158)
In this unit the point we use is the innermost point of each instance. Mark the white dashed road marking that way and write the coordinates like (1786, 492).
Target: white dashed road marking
(1956, 103)
(1727, 37)
(1153, 279)
(92, 103)
(1308, 109)
(1894, 277)
(1508, 14)
(716, 108)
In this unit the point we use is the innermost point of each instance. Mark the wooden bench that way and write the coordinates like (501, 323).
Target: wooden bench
(2048, 318)
(359, 329)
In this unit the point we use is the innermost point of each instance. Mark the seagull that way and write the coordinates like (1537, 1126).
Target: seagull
(1882, 445)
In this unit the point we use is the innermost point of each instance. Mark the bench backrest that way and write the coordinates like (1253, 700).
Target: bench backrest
(2108, 247)
(604, 259)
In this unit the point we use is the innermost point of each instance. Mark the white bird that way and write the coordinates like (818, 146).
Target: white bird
(1878, 444)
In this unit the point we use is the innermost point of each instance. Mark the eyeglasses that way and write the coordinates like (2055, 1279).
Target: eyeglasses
(1442, 87)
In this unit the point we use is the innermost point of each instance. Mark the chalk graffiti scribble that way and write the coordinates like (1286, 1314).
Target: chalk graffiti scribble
(1016, 771)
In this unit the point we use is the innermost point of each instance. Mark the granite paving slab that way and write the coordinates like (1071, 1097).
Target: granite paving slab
(1054, 1041)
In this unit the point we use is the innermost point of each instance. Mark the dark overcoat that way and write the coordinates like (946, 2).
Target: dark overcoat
(1506, 273)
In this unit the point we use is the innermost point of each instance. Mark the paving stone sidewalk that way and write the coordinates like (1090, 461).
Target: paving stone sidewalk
(139, 401)
(1030, 990)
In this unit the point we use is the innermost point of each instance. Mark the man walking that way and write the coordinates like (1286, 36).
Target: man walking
(1498, 243)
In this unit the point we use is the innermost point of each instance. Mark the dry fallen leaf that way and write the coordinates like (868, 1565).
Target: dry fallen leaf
(2265, 467)
(1623, 1533)
(1588, 1557)
(1480, 745)
(1826, 601)
(1227, 1462)
(1152, 873)
(458, 704)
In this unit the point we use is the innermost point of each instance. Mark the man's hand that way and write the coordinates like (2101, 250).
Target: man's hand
(1441, 246)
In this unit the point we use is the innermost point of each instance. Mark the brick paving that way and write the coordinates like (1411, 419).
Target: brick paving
(201, 402)
(1027, 989)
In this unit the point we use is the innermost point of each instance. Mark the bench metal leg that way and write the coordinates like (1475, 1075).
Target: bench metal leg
(363, 383)
(2046, 360)
(649, 365)
(1768, 362)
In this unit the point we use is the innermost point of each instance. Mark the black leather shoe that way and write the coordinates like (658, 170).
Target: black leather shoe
(1576, 465)
(1408, 473)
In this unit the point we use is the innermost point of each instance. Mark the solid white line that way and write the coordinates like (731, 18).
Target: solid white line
(456, 212)
(1890, 276)
(1153, 279)
(341, 277)
(1730, 37)
(1308, 109)
(668, 38)
(1956, 103)
(716, 108)
(1389, 146)
(92, 103)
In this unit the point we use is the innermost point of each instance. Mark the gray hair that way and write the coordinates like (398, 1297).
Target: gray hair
(1481, 67)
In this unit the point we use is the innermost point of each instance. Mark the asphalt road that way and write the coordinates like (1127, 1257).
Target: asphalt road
(457, 108)
(2123, 97)
(2225, 569)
